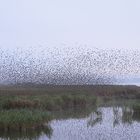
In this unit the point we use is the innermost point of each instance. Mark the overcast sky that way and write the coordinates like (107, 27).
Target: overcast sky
(98, 23)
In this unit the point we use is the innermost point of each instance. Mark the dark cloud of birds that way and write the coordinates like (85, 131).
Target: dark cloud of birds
(67, 65)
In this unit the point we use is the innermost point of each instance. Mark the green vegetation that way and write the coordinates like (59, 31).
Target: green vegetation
(29, 107)
(46, 102)
(34, 107)
(136, 107)
(22, 119)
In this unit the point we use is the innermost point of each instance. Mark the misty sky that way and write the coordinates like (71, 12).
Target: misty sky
(97, 23)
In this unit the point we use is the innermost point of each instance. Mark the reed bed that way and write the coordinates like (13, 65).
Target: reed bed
(29, 107)
(25, 112)
(23, 119)
(46, 102)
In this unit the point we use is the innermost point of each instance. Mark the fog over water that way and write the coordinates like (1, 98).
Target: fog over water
(67, 65)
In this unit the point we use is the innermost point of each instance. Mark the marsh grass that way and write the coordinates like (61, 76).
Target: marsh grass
(29, 111)
(46, 102)
(22, 119)
(24, 107)
(136, 108)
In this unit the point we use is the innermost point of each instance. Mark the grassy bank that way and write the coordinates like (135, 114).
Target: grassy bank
(26, 111)
(30, 106)
(46, 102)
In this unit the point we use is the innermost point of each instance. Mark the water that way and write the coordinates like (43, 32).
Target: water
(117, 121)
(110, 124)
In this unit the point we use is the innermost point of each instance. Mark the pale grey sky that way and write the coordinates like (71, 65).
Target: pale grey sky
(99, 23)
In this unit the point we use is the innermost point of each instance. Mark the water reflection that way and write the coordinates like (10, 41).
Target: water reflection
(128, 115)
(117, 116)
(121, 115)
(29, 134)
(94, 118)
(104, 123)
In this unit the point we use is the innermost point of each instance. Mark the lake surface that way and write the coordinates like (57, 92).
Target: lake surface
(117, 121)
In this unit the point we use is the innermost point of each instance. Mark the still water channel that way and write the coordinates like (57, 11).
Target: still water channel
(114, 121)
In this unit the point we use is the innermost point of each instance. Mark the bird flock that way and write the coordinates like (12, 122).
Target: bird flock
(67, 66)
